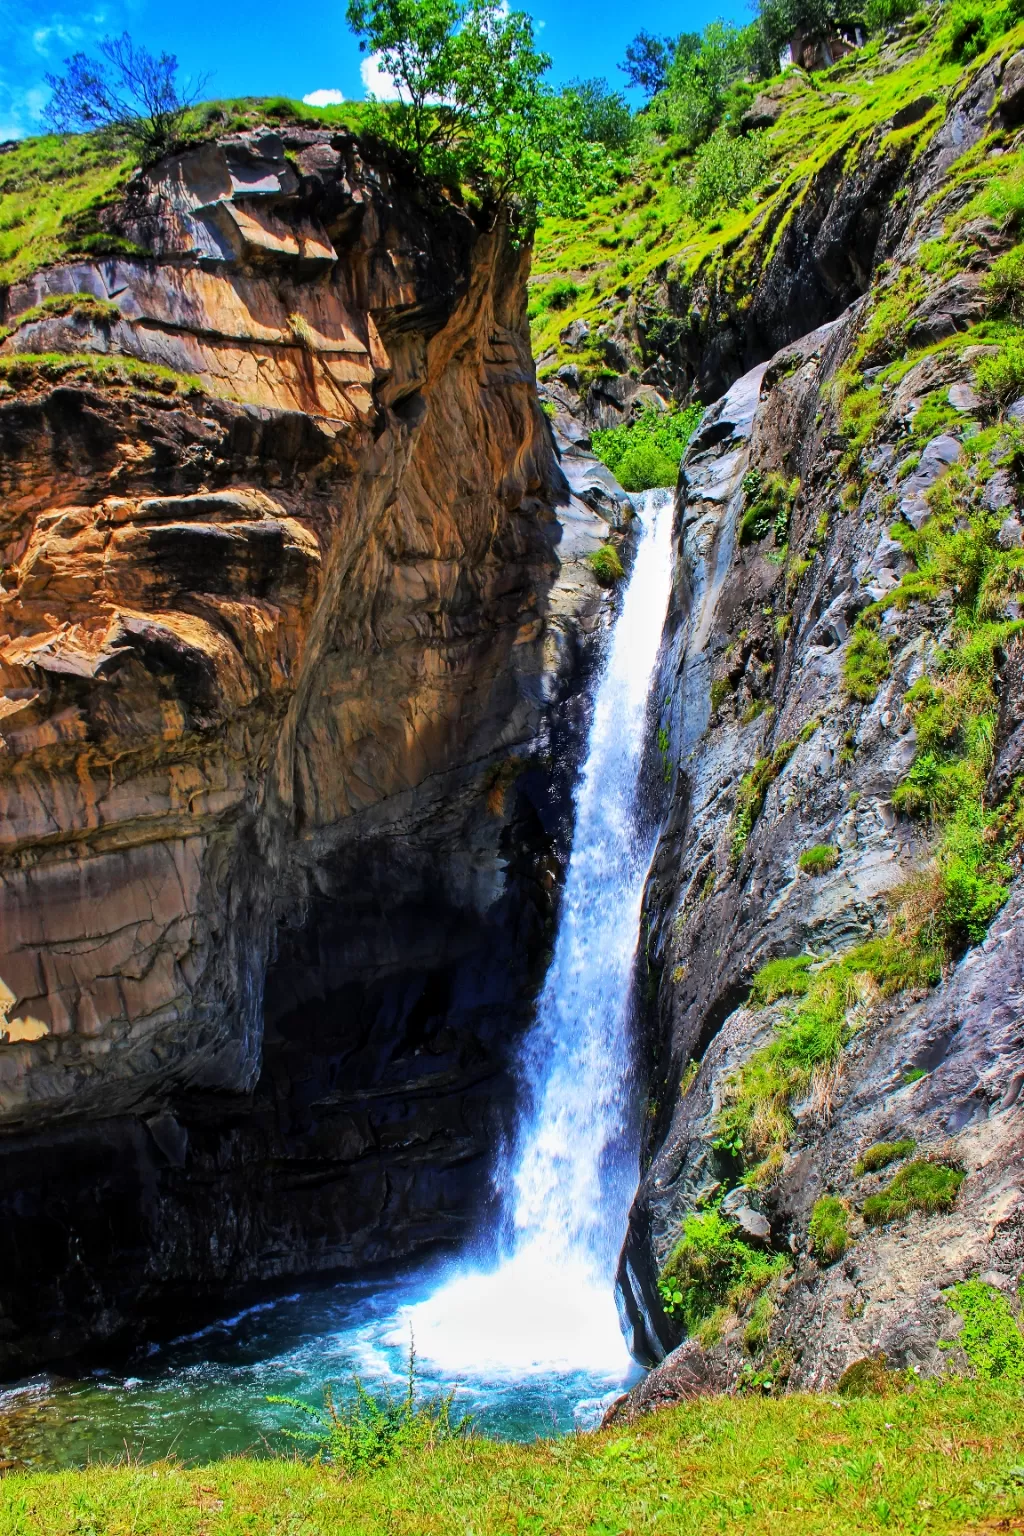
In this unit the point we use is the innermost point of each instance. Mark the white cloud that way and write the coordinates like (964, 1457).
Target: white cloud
(377, 82)
(329, 98)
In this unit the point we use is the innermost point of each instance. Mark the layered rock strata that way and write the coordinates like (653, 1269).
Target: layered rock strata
(284, 643)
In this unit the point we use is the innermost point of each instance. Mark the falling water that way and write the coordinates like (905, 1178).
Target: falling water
(565, 1190)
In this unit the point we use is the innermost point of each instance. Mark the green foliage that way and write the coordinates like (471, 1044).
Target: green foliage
(781, 978)
(770, 501)
(755, 1122)
(819, 859)
(606, 116)
(366, 1432)
(559, 293)
(750, 797)
(991, 1336)
(881, 1155)
(1004, 283)
(648, 451)
(697, 84)
(880, 15)
(726, 170)
(606, 565)
(473, 108)
(49, 189)
(919, 1186)
(971, 27)
(1000, 379)
(867, 663)
(829, 1229)
(712, 1266)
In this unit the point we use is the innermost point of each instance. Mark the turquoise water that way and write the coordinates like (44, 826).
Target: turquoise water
(204, 1396)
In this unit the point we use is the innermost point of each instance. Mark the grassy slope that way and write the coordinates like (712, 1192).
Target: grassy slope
(52, 188)
(639, 231)
(940, 1459)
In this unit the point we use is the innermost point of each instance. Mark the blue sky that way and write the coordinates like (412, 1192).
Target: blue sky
(260, 49)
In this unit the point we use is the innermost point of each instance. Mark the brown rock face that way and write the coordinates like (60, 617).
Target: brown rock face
(267, 649)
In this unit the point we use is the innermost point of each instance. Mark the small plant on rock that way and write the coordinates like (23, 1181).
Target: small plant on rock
(870, 1377)
(606, 565)
(919, 1186)
(819, 859)
(881, 1155)
(867, 664)
(829, 1229)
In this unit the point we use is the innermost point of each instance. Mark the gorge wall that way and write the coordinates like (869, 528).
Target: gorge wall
(292, 614)
(846, 630)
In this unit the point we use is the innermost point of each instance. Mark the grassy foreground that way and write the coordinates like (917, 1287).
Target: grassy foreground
(942, 1458)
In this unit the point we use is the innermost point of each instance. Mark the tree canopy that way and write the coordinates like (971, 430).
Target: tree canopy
(473, 106)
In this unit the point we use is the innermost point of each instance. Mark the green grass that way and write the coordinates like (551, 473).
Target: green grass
(781, 978)
(22, 370)
(606, 565)
(819, 859)
(866, 665)
(919, 1186)
(943, 1458)
(829, 1229)
(881, 1155)
(80, 306)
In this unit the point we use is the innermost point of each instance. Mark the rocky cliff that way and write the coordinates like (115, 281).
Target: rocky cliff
(834, 948)
(292, 598)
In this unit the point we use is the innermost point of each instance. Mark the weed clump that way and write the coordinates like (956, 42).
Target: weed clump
(780, 978)
(712, 1269)
(819, 859)
(867, 664)
(750, 797)
(606, 565)
(769, 508)
(1000, 379)
(829, 1229)
(919, 1186)
(881, 1155)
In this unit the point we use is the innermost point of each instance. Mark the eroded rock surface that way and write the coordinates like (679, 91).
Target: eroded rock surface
(281, 736)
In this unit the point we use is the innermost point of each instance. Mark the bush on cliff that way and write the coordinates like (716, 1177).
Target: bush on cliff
(128, 95)
(648, 451)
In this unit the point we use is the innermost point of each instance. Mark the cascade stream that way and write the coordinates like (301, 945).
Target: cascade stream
(530, 1339)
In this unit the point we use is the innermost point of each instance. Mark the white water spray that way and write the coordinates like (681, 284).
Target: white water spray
(549, 1306)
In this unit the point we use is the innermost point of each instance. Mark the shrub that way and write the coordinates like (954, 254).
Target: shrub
(606, 565)
(919, 1186)
(1000, 379)
(560, 293)
(781, 978)
(881, 1155)
(829, 1229)
(770, 505)
(880, 15)
(129, 95)
(711, 1267)
(965, 30)
(647, 452)
(991, 1337)
(1004, 283)
(368, 1431)
(819, 859)
(867, 664)
(1003, 199)
(726, 170)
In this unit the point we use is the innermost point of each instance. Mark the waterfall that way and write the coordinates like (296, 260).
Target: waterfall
(566, 1186)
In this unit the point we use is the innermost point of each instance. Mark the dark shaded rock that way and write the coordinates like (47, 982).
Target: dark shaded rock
(687, 1373)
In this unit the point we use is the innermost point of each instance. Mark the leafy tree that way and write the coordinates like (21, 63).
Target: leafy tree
(698, 81)
(128, 94)
(779, 21)
(473, 107)
(647, 62)
(607, 119)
